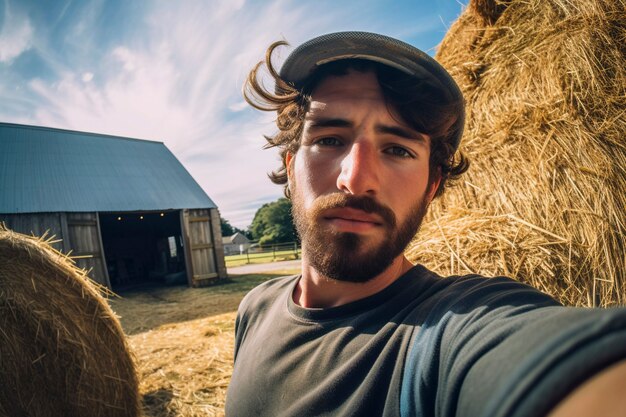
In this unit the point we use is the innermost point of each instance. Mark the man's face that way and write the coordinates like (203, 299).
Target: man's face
(359, 181)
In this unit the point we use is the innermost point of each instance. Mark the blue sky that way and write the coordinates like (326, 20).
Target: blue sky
(172, 71)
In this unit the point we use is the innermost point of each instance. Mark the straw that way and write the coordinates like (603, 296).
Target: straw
(544, 200)
(62, 350)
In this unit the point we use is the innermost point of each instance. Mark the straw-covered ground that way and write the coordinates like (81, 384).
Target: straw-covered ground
(183, 342)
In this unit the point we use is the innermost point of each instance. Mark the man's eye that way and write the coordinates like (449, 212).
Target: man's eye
(399, 151)
(328, 141)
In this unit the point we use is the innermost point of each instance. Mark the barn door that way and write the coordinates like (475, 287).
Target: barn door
(84, 238)
(199, 251)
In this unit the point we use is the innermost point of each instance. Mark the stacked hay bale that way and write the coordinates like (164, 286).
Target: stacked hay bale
(62, 350)
(545, 198)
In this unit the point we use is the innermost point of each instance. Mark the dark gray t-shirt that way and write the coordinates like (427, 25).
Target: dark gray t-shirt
(424, 346)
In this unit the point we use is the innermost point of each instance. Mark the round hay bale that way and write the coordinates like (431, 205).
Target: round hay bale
(545, 198)
(62, 350)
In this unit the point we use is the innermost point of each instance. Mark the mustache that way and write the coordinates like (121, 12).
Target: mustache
(364, 203)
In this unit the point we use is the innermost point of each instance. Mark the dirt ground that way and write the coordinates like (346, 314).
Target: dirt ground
(183, 340)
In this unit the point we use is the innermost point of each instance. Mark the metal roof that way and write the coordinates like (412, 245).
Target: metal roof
(53, 170)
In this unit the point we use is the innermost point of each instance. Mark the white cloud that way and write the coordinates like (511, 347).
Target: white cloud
(87, 77)
(16, 37)
(126, 57)
(239, 106)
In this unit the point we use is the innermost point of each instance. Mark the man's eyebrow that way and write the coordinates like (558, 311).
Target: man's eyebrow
(406, 133)
(320, 122)
(401, 132)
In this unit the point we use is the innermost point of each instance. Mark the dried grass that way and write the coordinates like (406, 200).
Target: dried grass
(185, 368)
(544, 201)
(184, 340)
(62, 350)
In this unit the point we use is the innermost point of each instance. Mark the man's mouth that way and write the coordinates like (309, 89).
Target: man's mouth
(347, 219)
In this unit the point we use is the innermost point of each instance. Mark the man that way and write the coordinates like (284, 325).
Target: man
(369, 127)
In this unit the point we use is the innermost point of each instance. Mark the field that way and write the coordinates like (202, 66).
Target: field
(183, 342)
(262, 257)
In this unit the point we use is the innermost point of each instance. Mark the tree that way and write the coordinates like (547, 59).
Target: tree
(227, 229)
(273, 223)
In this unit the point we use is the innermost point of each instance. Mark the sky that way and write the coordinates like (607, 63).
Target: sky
(172, 71)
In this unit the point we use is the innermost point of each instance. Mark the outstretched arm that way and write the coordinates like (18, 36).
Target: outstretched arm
(558, 362)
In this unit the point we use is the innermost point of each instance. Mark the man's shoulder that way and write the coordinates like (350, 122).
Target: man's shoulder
(462, 282)
(466, 292)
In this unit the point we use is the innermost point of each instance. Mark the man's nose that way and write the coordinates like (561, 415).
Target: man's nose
(359, 170)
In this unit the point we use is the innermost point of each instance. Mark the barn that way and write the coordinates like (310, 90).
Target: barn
(125, 209)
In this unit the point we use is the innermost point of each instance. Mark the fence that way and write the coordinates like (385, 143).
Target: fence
(265, 253)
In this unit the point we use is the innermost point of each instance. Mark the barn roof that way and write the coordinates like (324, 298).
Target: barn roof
(54, 170)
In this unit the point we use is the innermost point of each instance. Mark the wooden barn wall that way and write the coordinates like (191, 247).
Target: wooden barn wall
(39, 224)
(205, 259)
(78, 233)
(219, 244)
(84, 236)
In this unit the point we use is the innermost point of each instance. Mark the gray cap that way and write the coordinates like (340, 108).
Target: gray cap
(306, 58)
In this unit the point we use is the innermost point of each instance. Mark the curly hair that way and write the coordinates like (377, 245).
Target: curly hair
(418, 102)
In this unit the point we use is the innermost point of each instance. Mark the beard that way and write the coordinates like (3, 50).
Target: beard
(346, 256)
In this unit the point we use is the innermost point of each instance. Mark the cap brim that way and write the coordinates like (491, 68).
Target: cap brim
(306, 58)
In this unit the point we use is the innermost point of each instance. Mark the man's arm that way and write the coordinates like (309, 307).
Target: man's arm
(602, 395)
(556, 355)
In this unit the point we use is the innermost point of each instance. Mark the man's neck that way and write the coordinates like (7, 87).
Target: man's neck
(315, 290)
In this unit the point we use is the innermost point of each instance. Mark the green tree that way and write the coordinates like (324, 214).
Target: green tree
(273, 223)
(227, 228)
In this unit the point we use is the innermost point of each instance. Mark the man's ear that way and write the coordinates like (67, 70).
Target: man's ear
(288, 159)
(433, 185)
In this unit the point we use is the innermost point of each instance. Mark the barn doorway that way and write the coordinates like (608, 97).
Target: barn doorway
(143, 248)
